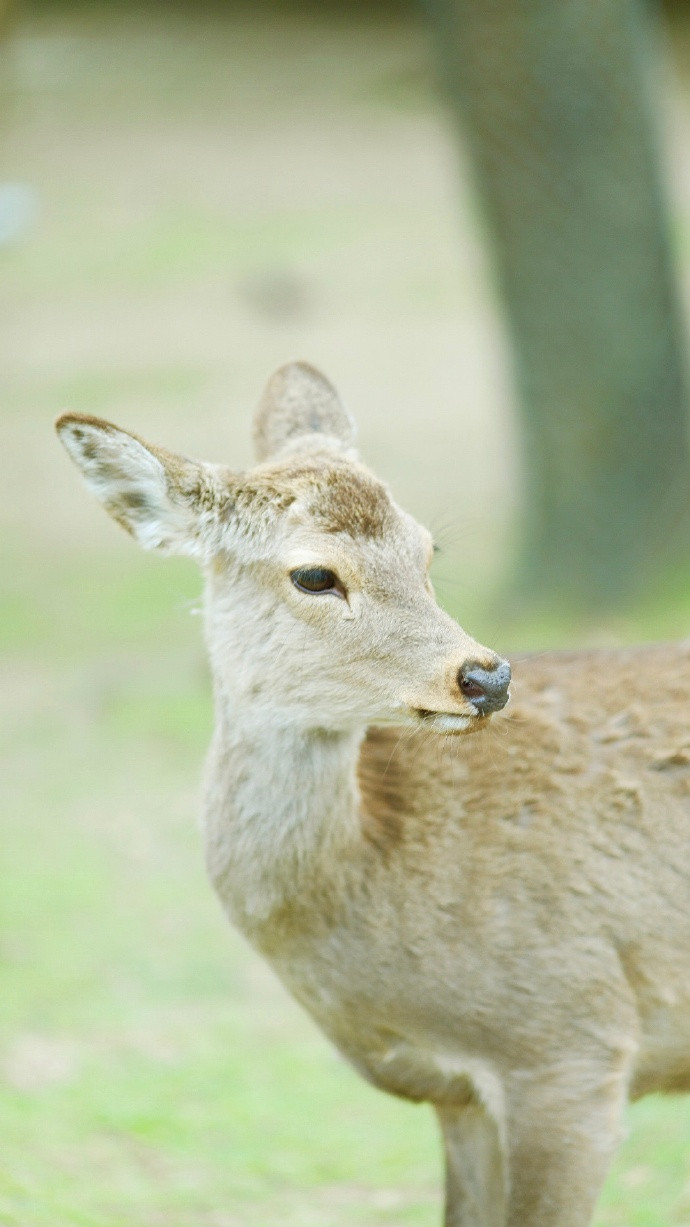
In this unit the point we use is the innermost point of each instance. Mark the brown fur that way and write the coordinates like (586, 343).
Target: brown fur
(338, 496)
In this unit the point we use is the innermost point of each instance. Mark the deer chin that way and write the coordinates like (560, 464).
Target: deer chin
(449, 723)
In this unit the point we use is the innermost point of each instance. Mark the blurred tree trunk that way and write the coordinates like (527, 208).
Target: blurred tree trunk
(7, 13)
(554, 98)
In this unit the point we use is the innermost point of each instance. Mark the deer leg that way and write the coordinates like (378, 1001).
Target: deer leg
(561, 1140)
(475, 1167)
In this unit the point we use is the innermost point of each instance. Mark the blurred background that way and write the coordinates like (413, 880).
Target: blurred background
(477, 222)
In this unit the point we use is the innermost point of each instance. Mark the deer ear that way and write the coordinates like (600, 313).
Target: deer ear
(301, 409)
(166, 502)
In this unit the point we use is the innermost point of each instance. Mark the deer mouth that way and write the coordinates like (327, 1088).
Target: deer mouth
(447, 722)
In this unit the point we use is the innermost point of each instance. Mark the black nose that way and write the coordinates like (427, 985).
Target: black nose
(486, 689)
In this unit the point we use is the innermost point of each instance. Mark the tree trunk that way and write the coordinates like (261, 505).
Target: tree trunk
(554, 99)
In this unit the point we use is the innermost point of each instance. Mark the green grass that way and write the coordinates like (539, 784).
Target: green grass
(152, 1071)
(176, 246)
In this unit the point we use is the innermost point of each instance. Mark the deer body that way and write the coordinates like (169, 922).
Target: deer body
(498, 924)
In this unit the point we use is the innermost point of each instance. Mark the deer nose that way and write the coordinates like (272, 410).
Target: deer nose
(486, 689)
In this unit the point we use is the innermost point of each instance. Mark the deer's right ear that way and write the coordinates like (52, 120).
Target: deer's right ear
(300, 409)
(166, 502)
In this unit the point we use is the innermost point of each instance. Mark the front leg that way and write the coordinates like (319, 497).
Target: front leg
(563, 1132)
(475, 1165)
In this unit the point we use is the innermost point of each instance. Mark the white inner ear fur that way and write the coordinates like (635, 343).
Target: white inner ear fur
(134, 486)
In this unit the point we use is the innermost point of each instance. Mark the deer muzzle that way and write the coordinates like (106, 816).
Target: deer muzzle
(486, 689)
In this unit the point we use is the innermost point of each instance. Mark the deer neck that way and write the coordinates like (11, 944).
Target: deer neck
(281, 813)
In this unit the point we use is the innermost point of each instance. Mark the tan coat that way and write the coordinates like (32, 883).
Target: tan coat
(498, 923)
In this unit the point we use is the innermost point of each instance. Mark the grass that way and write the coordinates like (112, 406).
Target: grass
(152, 1070)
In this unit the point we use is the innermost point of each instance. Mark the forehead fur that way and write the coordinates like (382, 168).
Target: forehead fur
(340, 495)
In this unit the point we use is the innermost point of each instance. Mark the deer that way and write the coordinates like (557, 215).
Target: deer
(484, 908)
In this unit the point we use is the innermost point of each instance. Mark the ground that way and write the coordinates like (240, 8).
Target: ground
(211, 196)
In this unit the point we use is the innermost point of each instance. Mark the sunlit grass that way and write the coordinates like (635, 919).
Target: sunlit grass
(152, 1071)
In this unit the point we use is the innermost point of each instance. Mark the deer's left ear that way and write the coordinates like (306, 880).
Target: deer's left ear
(301, 410)
(166, 502)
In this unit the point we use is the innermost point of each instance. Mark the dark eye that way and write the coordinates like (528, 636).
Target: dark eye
(316, 579)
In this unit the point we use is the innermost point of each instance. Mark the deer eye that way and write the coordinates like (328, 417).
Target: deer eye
(317, 579)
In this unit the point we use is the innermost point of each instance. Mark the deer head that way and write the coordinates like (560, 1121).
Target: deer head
(319, 608)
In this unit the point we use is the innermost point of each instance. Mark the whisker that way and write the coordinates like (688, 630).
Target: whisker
(405, 733)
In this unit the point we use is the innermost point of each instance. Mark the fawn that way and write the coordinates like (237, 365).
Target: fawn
(502, 931)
